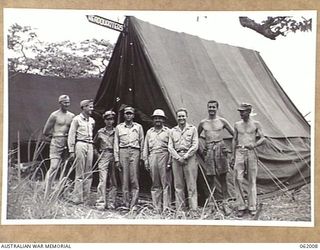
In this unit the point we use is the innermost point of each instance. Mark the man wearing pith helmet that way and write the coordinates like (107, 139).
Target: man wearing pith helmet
(56, 129)
(80, 142)
(128, 148)
(103, 142)
(247, 137)
(157, 161)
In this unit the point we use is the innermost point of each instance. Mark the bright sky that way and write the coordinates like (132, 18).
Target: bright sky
(291, 59)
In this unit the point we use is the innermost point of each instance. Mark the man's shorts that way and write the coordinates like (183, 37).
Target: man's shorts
(58, 147)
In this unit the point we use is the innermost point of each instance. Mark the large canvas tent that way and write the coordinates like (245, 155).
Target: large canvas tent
(152, 67)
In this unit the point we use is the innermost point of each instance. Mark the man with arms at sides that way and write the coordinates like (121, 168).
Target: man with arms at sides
(157, 161)
(56, 129)
(215, 152)
(80, 142)
(104, 142)
(247, 136)
(128, 148)
(183, 144)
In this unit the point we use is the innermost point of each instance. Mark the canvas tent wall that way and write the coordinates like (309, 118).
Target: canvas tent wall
(31, 99)
(152, 67)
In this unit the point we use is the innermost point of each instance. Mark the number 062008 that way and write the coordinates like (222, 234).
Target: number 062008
(308, 245)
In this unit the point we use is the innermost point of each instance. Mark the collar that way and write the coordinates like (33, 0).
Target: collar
(125, 125)
(83, 117)
(161, 130)
(110, 132)
(188, 126)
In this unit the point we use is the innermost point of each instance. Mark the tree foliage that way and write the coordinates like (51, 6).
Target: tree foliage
(87, 58)
(272, 27)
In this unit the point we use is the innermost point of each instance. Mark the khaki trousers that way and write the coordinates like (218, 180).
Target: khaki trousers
(106, 172)
(185, 175)
(246, 161)
(129, 161)
(160, 175)
(83, 166)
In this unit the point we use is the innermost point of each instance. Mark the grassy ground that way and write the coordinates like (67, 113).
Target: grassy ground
(25, 201)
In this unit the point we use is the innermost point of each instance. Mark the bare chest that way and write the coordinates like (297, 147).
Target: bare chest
(63, 120)
(212, 125)
(249, 128)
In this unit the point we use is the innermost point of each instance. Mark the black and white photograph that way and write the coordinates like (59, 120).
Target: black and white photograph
(159, 117)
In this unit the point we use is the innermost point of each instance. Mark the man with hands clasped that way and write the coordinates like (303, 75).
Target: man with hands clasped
(183, 144)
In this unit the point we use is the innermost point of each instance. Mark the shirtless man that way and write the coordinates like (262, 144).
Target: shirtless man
(215, 152)
(56, 129)
(247, 136)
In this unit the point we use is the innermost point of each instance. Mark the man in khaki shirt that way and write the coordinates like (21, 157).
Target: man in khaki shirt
(104, 142)
(80, 142)
(157, 161)
(183, 144)
(128, 148)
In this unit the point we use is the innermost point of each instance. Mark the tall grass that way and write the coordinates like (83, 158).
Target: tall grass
(25, 190)
(26, 198)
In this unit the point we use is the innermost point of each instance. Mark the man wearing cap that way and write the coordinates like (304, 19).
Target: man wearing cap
(157, 161)
(183, 144)
(56, 129)
(247, 136)
(103, 142)
(128, 148)
(215, 152)
(80, 142)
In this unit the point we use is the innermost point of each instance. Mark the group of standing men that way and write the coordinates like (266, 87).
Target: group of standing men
(165, 152)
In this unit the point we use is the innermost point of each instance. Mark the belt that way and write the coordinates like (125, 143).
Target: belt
(182, 151)
(60, 136)
(242, 147)
(159, 151)
(129, 147)
(89, 142)
(108, 150)
(214, 142)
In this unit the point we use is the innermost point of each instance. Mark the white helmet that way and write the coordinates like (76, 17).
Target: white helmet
(158, 112)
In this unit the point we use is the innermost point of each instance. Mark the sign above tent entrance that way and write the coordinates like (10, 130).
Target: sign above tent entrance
(105, 22)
